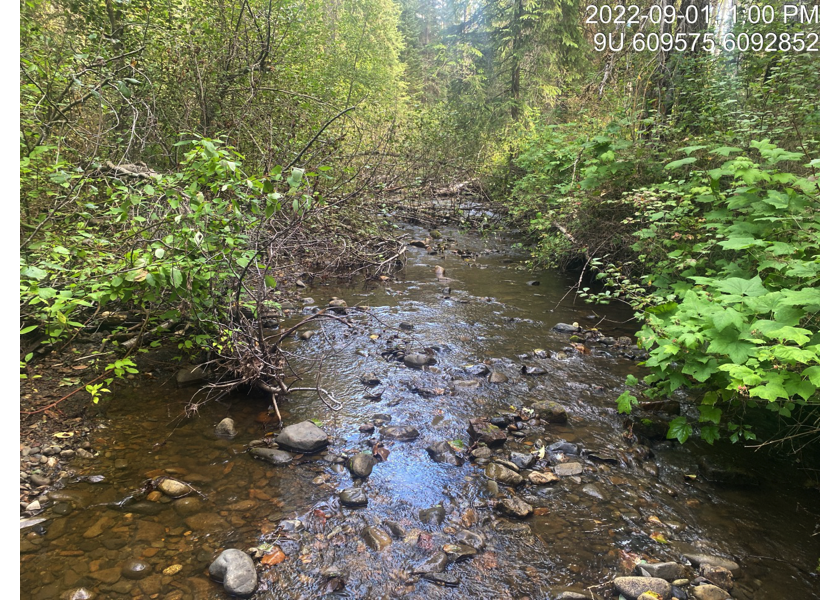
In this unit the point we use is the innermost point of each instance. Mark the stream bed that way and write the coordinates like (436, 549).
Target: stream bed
(614, 498)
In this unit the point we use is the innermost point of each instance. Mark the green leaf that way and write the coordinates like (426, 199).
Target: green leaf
(159, 252)
(625, 403)
(270, 281)
(177, 278)
(679, 163)
(26, 330)
(710, 413)
(729, 344)
(631, 380)
(689, 149)
(740, 287)
(710, 433)
(679, 429)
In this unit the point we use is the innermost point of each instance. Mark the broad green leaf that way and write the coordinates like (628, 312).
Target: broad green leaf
(710, 413)
(679, 429)
(625, 403)
(682, 162)
(741, 287)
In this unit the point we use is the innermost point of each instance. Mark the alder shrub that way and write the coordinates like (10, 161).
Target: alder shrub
(728, 286)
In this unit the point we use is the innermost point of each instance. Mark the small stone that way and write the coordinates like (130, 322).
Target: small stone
(172, 570)
(497, 377)
(432, 516)
(550, 411)
(436, 563)
(39, 480)
(566, 328)
(442, 452)
(397, 530)
(402, 433)
(697, 559)
(483, 431)
(459, 552)
(669, 571)
(225, 428)
(353, 497)
(720, 576)
(369, 379)
(497, 472)
(136, 569)
(514, 507)
(633, 587)
(521, 460)
(376, 538)
(566, 469)
(67, 453)
(710, 592)
(471, 539)
(237, 572)
(361, 465)
(542, 478)
(417, 360)
(174, 488)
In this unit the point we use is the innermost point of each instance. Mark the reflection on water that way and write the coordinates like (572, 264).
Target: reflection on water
(587, 528)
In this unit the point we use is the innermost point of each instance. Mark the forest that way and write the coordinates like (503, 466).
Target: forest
(189, 168)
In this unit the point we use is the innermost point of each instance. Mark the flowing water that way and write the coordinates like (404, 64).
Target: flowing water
(587, 528)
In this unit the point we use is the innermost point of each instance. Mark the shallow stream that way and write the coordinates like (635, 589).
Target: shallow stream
(637, 498)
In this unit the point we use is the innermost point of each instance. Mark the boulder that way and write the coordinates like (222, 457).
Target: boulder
(497, 377)
(236, 571)
(305, 437)
(190, 375)
(432, 516)
(566, 328)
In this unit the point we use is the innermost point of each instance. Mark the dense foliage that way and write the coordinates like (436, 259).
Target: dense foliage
(181, 159)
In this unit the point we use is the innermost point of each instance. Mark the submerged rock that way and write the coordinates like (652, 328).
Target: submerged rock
(402, 433)
(710, 592)
(697, 559)
(173, 488)
(190, 375)
(275, 457)
(376, 538)
(566, 328)
(136, 569)
(669, 571)
(225, 428)
(434, 515)
(436, 563)
(305, 437)
(353, 497)
(459, 552)
(417, 360)
(237, 572)
(497, 377)
(550, 411)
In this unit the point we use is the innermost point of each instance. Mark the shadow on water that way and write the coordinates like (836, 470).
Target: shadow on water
(588, 528)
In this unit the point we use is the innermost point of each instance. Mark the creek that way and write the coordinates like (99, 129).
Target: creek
(635, 498)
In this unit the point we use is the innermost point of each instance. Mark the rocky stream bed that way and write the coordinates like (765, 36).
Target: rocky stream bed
(476, 453)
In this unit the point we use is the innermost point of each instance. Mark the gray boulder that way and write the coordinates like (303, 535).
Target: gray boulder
(236, 571)
(303, 437)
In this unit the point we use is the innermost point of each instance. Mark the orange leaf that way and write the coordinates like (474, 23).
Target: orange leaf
(538, 512)
(275, 558)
